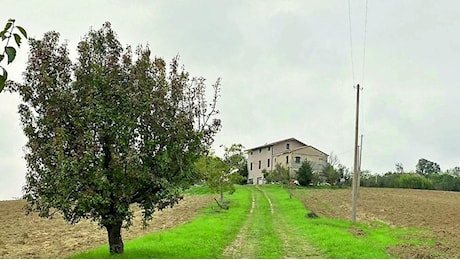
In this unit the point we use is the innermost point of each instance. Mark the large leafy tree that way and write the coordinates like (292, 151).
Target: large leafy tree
(113, 129)
(426, 167)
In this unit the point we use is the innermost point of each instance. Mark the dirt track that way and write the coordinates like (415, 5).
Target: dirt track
(34, 237)
(438, 211)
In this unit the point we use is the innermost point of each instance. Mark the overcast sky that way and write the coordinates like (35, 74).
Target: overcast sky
(286, 71)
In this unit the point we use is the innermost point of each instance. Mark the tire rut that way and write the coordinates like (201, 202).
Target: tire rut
(238, 248)
(249, 242)
(292, 245)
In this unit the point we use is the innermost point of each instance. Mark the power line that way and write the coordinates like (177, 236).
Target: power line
(364, 44)
(351, 43)
(364, 53)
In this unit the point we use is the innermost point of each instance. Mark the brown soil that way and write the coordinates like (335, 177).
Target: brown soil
(435, 211)
(34, 237)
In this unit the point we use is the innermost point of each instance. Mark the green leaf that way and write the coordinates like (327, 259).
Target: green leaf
(17, 38)
(11, 52)
(23, 32)
(3, 79)
(7, 26)
(1, 57)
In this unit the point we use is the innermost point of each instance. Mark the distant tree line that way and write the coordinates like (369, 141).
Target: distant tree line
(428, 175)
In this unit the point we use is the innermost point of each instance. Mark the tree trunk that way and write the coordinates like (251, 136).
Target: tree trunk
(115, 240)
(221, 191)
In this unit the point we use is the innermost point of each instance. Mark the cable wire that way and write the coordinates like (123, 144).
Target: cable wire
(364, 44)
(363, 71)
(351, 43)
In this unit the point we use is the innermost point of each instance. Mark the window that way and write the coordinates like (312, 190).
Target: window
(297, 159)
(251, 152)
(260, 150)
(287, 146)
(269, 148)
(268, 162)
(287, 159)
(250, 167)
(275, 159)
(260, 163)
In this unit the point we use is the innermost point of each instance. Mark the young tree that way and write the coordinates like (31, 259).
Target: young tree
(399, 168)
(219, 176)
(345, 175)
(110, 130)
(305, 173)
(244, 173)
(454, 172)
(330, 171)
(236, 158)
(332, 176)
(316, 178)
(9, 51)
(279, 174)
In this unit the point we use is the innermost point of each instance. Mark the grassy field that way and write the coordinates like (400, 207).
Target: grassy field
(436, 214)
(205, 237)
(30, 236)
(337, 238)
(262, 222)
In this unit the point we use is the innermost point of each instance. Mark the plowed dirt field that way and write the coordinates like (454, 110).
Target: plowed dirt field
(436, 211)
(30, 236)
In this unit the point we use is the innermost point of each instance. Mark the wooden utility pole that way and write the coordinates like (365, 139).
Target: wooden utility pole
(359, 166)
(360, 153)
(356, 163)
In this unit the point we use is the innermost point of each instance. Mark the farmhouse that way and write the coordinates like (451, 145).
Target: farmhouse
(290, 153)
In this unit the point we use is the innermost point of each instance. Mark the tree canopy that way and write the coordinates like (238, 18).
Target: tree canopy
(112, 129)
(425, 167)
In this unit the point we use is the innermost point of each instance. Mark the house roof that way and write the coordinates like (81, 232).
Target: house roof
(302, 147)
(277, 142)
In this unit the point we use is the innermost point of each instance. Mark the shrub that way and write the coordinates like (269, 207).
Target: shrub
(305, 173)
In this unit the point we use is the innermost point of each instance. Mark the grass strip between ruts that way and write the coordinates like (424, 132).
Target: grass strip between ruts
(261, 235)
